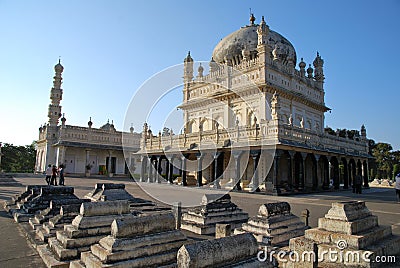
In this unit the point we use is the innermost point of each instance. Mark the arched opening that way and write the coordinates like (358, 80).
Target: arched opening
(310, 172)
(284, 178)
(345, 173)
(324, 167)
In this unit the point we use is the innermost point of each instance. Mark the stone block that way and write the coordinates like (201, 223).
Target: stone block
(94, 221)
(210, 198)
(273, 209)
(348, 227)
(218, 252)
(132, 226)
(104, 208)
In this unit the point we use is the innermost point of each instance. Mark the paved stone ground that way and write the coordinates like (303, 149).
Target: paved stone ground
(17, 252)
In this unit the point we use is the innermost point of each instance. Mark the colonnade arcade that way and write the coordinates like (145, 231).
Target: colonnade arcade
(291, 171)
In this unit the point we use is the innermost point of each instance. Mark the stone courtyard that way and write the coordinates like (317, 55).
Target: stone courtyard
(380, 202)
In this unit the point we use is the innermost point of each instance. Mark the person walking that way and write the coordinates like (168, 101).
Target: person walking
(397, 186)
(54, 176)
(49, 172)
(61, 174)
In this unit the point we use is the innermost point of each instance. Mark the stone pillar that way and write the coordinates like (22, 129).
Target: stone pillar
(255, 180)
(305, 215)
(177, 211)
(216, 181)
(291, 167)
(166, 169)
(236, 156)
(61, 159)
(159, 168)
(143, 160)
(171, 171)
(184, 173)
(276, 190)
(109, 164)
(199, 170)
(149, 171)
(345, 174)
(155, 176)
(317, 179)
(366, 174)
(302, 177)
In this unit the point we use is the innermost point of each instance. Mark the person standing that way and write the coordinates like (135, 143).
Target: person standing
(54, 176)
(397, 186)
(49, 172)
(61, 174)
(358, 185)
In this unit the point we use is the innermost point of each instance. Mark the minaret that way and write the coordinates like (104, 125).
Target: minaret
(262, 46)
(56, 96)
(319, 71)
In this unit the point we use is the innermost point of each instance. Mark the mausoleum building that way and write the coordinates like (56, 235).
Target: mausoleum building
(256, 122)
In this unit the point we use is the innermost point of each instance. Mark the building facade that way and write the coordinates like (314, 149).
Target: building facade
(255, 122)
(82, 150)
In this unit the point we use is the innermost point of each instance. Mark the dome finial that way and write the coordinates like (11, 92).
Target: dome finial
(252, 18)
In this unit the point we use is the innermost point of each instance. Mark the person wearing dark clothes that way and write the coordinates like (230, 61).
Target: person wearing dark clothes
(54, 176)
(358, 184)
(61, 174)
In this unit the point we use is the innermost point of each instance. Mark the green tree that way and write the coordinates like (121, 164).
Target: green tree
(18, 158)
(396, 170)
(384, 159)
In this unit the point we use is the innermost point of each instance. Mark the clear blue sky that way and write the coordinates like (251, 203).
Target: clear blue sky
(109, 48)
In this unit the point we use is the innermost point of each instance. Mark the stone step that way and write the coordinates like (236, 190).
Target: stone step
(113, 244)
(165, 258)
(49, 259)
(207, 229)
(213, 219)
(84, 222)
(273, 231)
(352, 227)
(42, 234)
(73, 232)
(62, 253)
(146, 250)
(77, 242)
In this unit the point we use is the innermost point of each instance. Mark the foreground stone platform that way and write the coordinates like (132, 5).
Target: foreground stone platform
(202, 220)
(92, 223)
(350, 229)
(144, 241)
(274, 225)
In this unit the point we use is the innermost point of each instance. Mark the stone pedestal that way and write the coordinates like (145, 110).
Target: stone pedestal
(202, 220)
(18, 200)
(92, 223)
(39, 199)
(349, 230)
(274, 225)
(146, 241)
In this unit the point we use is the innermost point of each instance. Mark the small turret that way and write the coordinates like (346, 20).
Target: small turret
(302, 66)
(63, 119)
(310, 71)
(131, 129)
(90, 123)
(188, 66)
(200, 71)
(363, 131)
(319, 70)
(213, 65)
